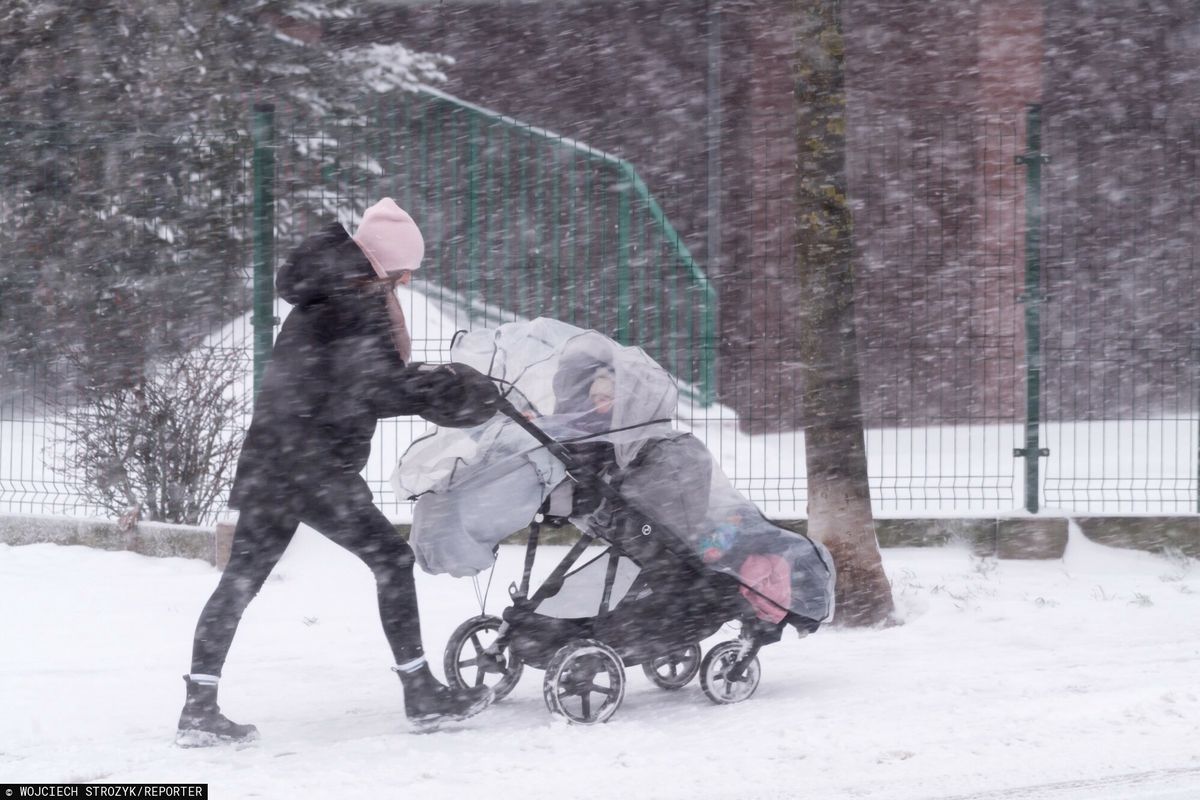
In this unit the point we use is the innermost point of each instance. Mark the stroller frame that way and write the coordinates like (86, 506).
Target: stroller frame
(573, 658)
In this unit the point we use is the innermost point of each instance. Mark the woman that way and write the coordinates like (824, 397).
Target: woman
(340, 363)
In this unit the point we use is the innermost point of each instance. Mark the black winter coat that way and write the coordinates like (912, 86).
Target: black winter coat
(334, 372)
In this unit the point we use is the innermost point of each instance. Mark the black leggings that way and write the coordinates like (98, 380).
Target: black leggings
(346, 515)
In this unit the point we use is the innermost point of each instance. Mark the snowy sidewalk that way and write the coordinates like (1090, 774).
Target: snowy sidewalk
(1010, 680)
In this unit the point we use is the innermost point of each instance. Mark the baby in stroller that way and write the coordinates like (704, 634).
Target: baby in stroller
(587, 437)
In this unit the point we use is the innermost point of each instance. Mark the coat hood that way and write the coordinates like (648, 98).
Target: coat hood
(326, 264)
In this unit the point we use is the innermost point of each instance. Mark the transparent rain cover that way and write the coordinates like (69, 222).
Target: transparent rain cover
(477, 486)
(474, 487)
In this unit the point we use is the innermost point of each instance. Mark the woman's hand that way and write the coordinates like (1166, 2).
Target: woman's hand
(455, 395)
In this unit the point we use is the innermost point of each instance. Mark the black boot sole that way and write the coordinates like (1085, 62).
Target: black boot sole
(428, 723)
(195, 738)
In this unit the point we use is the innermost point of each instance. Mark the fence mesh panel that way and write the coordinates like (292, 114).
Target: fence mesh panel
(1120, 329)
(521, 222)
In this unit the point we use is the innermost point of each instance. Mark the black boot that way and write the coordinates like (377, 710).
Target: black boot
(428, 704)
(202, 724)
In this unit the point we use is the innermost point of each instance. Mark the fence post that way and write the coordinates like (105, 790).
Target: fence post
(1032, 298)
(624, 223)
(473, 189)
(715, 228)
(264, 237)
(708, 377)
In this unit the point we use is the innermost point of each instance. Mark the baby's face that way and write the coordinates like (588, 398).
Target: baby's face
(601, 394)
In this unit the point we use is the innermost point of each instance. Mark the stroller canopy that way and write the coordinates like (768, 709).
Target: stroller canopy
(477, 486)
(576, 383)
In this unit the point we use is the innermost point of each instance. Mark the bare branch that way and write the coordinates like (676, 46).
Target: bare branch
(168, 443)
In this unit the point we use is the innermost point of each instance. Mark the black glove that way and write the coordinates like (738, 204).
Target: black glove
(454, 395)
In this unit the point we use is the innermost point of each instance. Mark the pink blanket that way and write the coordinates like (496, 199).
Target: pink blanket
(767, 585)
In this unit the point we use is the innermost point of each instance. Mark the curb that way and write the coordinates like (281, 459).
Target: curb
(1016, 538)
(158, 539)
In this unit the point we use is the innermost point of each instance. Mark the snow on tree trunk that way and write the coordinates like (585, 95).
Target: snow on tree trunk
(839, 498)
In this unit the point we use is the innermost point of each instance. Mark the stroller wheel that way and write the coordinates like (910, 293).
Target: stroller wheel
(468, 664)
(674, 670)
(714, 674)
(585, 682)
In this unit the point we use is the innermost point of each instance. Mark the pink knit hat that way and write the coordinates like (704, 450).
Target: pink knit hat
(390, 238)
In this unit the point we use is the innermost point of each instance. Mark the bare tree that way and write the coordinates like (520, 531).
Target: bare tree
(839, 496)
(164, 447)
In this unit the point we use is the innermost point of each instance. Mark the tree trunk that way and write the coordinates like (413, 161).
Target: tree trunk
(839, 497)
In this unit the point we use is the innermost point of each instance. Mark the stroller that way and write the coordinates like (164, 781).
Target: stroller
(668, 552)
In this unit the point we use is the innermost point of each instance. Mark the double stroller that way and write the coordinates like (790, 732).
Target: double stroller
(668, 551)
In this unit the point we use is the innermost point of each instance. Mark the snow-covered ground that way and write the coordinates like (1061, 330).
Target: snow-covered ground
(1054, 680)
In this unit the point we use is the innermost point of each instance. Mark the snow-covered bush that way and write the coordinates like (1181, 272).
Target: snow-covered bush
(164, 447)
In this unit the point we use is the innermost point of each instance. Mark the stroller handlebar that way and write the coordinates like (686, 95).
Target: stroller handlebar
(575, 470)
(505, 406)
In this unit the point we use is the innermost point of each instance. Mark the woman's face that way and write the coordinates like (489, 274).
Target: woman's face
(394, 279)
(389, 284)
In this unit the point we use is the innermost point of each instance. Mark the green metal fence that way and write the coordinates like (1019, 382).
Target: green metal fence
(1120, 330)
(1027, 293)
(518, 221)
(939, 229)
(1027, 328)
